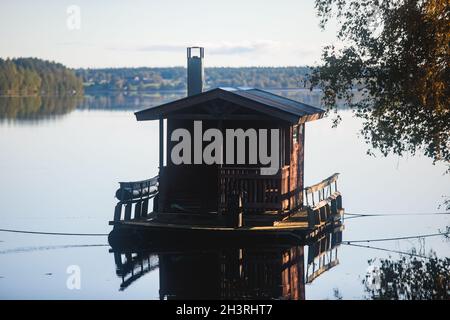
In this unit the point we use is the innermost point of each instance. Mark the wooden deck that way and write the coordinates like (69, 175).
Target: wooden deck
(144, 232)
(153, 223)
(131, 220)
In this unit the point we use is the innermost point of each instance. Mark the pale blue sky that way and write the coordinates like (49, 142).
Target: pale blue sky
(155, 33)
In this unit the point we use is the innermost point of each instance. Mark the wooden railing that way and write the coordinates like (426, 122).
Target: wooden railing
(134, 266)
(321, 189)
(322, 254)
(135, 194)
(322, 203)
(261, 193)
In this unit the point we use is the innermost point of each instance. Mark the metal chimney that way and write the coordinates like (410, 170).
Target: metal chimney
(195, 70)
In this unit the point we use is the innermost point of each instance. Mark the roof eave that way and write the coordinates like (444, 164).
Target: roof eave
(155, 113)
(311, 117)
(158, 112)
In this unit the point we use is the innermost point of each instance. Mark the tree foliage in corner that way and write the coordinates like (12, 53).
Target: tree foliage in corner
(409, 278)
(397, 54)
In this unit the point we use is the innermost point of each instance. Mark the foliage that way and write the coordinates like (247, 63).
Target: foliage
(397, 54)
(409, 278)
(32, 76)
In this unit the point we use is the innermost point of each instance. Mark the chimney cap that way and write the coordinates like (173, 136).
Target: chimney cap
(201, 53)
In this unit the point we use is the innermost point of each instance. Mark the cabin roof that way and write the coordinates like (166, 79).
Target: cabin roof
(272, 105)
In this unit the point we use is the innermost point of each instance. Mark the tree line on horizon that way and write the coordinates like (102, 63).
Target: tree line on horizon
(33, 76)
(174, 78)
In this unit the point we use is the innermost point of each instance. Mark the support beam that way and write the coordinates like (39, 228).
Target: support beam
(161, 143)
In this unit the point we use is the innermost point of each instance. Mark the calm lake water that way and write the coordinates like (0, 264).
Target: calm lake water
(61, 159)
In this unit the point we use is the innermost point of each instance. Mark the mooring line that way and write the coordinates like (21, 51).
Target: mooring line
(388, 250)
(56, 233)
(397, 238)
(362, 215)
(42, 248)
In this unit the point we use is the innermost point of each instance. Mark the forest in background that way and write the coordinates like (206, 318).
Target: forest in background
(32, 76)
(174, 78)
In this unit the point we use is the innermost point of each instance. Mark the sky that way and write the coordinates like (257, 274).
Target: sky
(135, 33)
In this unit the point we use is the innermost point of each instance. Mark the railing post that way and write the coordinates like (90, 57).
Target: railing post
(311, 218)
(128, 211)
(118, 211)
(137, 210)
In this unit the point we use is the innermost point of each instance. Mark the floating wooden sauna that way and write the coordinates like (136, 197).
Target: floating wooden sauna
(195, 194)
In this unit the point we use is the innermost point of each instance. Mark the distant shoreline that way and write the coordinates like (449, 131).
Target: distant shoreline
(87, 91)
(106, 92)
(28, 77)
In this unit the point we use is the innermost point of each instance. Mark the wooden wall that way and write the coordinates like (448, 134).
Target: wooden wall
(197, 184)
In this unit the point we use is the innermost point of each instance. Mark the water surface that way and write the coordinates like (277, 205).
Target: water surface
(61, 159)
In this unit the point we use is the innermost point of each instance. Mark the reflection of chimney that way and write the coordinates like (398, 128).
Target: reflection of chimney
(195, 70)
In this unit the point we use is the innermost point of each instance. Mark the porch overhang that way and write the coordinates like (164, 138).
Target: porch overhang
(261, 104)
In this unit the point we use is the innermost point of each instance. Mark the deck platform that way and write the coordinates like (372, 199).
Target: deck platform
(153, 223)
(150, 230)
(133, 224)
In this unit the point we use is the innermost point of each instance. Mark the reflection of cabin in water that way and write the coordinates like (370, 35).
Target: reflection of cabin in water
(265, 271)
(233, 274)
(193, 192)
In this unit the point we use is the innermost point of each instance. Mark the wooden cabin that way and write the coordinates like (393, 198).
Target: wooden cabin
(201, 196)
(204, 187)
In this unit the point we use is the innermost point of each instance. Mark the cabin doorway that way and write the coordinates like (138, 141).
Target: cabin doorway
(190, 189)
